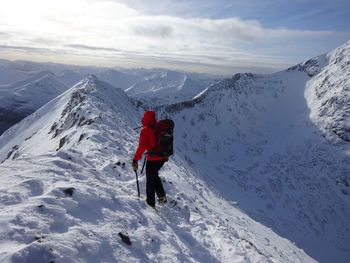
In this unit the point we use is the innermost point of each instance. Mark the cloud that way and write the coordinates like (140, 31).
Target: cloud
(85, 47)
(4, 34)
(110, 32)
(25, 48)
(154, 31)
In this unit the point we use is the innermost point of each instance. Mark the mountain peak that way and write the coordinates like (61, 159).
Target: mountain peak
(88, 102)
(90, 83)
(92, 78)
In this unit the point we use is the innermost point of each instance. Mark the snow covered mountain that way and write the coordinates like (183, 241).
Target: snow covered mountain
(118, 78)
(159, 87)
(279, 146)
(69, 193)
(19, 99)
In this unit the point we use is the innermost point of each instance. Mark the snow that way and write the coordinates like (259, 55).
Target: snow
(256, 175)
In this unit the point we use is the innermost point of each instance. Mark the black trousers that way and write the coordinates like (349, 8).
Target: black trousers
(154, 184)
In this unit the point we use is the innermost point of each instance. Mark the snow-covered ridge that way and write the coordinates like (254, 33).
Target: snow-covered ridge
(247, 82)
(240, 83)
(328, 95)
(89, 93)
(312, 66)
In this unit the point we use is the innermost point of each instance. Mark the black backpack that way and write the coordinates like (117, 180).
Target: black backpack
(164, 131)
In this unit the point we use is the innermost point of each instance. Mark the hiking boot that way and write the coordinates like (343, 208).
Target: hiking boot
(152, 206)
(162, 200)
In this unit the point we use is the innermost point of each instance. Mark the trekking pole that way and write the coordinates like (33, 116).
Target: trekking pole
(137, 182)
(143, 166)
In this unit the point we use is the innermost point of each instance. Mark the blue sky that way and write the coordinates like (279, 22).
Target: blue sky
(219, 36)
(295, 14)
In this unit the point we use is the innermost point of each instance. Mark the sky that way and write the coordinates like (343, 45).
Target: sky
(210, 36)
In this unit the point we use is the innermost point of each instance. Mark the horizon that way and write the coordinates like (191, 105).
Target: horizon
(66, 66)
(219, 38)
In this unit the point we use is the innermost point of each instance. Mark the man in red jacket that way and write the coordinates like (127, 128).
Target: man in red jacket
(147, 142)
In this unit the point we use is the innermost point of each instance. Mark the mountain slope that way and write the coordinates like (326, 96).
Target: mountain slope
(259, 140)
(328, 96)
(8, 76)
(69, 190)
(22, 98)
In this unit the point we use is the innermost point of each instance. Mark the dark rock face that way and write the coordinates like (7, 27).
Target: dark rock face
(10, 117)
(311, 67)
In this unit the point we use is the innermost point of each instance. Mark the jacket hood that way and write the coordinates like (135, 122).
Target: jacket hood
(149, 118)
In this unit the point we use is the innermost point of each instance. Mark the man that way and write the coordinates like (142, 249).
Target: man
(147, 142)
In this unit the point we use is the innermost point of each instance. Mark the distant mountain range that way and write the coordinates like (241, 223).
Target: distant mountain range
(40, 82)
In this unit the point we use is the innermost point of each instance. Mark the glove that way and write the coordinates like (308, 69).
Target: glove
(134, 165)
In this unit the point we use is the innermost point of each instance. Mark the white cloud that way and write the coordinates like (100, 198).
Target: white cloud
(118, 33)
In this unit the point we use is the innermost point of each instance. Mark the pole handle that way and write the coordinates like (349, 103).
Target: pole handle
(137, 183)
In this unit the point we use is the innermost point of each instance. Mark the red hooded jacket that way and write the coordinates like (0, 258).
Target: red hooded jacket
(147, 139)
